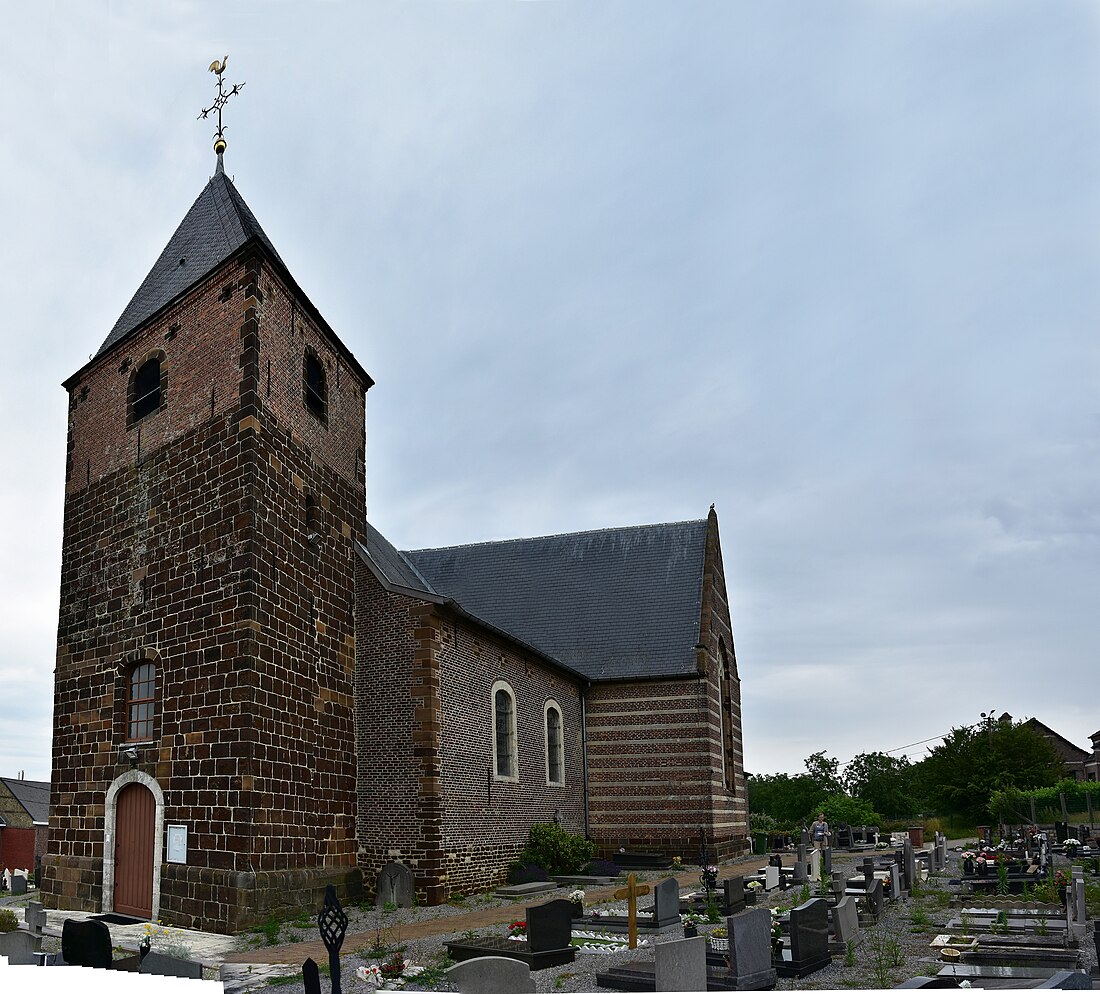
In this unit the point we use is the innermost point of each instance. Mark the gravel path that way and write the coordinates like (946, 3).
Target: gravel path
(911, 923)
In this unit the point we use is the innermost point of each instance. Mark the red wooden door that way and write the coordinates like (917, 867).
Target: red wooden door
(134, 818)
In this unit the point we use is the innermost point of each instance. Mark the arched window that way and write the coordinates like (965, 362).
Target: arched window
(555, 752)
(146, 389)
(316, 388)
(141, 701)
(504, 732)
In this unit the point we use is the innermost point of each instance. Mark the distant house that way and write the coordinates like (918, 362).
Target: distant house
(1080, 763)
(24, 812)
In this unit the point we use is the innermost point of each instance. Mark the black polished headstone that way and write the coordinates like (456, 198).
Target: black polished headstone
(310, 977)
(733, 893)
(86, 943)
(550, 925)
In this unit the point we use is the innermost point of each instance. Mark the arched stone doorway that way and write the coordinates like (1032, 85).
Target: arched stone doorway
(133, 839)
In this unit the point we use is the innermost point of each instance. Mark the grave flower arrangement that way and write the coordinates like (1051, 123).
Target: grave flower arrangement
(577, 897)
(676, 861)
(371, 975)
(1070, 846)
(517, 930)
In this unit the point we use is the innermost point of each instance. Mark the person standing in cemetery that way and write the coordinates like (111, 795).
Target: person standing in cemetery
(820, 833)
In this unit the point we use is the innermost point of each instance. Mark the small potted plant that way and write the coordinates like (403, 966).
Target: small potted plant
(577, 900)
(691, 925)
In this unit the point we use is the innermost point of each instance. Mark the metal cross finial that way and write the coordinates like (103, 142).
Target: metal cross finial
(218, 68)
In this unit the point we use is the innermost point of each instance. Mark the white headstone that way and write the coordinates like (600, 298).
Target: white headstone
(815, 865)
(771, 877)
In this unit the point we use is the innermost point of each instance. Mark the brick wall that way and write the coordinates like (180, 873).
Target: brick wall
(427, 796)
(186, 542)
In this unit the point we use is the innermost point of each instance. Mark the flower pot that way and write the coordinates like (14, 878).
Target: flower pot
(1062, 895)
(719, 945)
(750, 898)
(578, 909)
(690, 930)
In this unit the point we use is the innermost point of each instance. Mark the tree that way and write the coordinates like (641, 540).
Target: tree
(960, 775)
(789, 800)
(823, 771)
(884, 782)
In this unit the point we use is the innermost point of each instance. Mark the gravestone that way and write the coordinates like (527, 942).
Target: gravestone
(876, 899)
(1081, 913)
(771, 876)
(868, 870)
(1065, 980)
(815, 865)
(491, 975)
(733, 893)
(18, 947)
(170, 966)
(666, 902)
(311, 977)
(18, 883)
(550, 926)
(394, 885)
(86, 943)
(846, 920)
(911, 877)
(895, 882)
(681, 964)
(809, 950)
(35, 917)
(827, 860)
(750, 950)
(799, 875)
(837, 886)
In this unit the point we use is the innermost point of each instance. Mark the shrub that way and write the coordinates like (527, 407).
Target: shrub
(8, 921)
(552, 847)
(602, 868)
(520, 873)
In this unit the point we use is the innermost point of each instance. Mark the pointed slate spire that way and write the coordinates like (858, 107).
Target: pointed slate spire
(217, 225)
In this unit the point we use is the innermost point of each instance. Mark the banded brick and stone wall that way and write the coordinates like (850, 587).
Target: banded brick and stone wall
(186, 544)
(666, 756)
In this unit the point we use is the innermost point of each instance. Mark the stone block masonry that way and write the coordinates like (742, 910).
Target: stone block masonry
(187, 545)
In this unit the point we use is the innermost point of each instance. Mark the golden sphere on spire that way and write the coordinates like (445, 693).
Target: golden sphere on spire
(219, 145)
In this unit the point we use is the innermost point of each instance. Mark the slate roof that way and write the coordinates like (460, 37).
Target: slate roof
(613, 604)
(218, 223)
(393, 565)
(33, 795)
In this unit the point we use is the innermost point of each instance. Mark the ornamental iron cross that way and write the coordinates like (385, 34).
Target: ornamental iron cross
(218, 68)
(333, 923)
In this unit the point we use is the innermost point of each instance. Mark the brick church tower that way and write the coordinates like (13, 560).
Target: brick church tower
(204, 748)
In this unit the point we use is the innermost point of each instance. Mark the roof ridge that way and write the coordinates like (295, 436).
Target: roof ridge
(536, 538)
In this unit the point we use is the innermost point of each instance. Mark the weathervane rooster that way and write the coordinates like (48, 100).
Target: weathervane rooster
(218, 68)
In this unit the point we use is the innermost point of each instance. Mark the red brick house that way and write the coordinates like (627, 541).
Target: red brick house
(256, 695)
(24, 811)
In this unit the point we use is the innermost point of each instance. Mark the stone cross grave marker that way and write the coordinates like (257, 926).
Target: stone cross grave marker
(632, 891)
(681, 964)
(35, 917)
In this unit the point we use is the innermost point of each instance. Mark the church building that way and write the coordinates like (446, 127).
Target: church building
(257, 695)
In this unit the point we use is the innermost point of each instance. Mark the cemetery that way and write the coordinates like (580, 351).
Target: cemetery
(872, 917)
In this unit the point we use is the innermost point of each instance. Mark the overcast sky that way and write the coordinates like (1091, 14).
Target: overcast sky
(831, 266)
